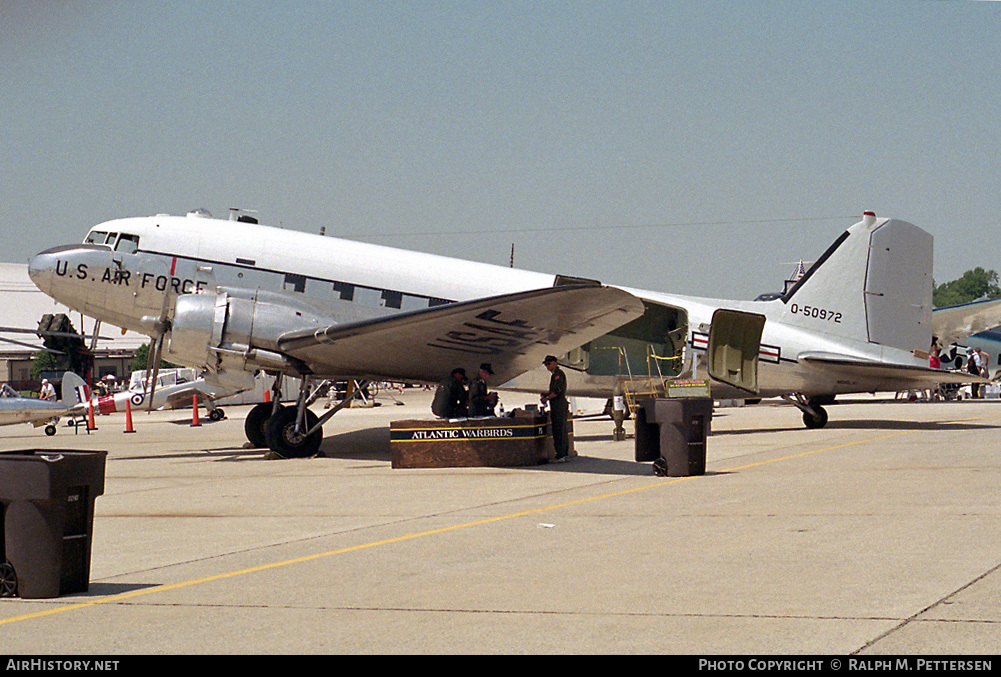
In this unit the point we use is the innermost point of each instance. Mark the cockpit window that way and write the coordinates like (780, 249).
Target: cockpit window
(96, 237)
(127, 244)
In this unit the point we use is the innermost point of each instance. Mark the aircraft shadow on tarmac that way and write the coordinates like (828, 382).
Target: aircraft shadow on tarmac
(871, 424)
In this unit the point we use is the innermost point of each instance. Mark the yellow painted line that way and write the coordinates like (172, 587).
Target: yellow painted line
(422, 534)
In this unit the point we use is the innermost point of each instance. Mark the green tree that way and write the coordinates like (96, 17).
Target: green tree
(41, 361)
(974, 284)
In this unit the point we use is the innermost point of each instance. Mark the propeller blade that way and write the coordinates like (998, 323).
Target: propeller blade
(94, 337)
(155, 357)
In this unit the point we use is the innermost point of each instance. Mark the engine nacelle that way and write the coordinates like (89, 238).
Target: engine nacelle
(231, 330)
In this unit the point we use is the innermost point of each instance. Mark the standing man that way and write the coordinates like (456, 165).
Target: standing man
(559, 408)
(48, 392)
(985, 363)
(975, 366)
(481, 402)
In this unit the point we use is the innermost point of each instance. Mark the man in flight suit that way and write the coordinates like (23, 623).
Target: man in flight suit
(559, 408)
(482, 402)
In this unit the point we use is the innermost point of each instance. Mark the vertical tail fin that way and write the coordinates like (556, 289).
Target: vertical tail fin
(74, 390)
(873, 284)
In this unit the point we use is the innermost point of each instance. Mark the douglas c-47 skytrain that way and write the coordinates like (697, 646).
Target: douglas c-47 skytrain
(234, 297)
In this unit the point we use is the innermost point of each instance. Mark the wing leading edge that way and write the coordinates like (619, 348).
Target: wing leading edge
(513, 332)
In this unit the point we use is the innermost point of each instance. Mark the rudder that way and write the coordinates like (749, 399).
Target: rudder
(873, 284)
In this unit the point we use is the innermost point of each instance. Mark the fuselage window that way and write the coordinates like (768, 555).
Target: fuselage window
(127, 244)
(295, 282)
(345, 290)
(392, 299)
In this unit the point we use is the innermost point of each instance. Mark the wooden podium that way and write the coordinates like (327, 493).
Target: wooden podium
(521, 440)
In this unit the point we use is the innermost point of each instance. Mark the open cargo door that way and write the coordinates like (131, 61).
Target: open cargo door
(734, 341)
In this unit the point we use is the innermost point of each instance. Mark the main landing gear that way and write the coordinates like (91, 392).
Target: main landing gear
(814, 415)
(291, 431)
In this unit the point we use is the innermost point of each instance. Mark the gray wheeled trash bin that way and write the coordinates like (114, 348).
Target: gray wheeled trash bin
(47, 509)
(674, 430)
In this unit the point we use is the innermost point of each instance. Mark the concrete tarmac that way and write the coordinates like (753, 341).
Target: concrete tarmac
(875, 535)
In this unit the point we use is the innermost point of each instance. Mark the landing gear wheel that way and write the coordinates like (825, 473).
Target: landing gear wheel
(50, 430)
(818, 421)
(284, 441)
(660, 467)
(217, 414)
(8, 580)
(253, 427)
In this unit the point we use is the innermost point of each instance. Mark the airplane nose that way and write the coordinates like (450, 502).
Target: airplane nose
(40, 270)
(44, 266)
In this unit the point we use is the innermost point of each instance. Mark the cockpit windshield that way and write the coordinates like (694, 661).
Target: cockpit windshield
(97, 237)
(125, 243)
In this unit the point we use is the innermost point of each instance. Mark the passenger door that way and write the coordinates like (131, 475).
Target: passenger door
(734, 341)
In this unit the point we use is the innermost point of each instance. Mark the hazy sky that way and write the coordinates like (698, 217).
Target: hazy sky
(693, 147)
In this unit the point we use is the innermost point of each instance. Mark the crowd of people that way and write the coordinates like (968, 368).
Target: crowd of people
(977, 364)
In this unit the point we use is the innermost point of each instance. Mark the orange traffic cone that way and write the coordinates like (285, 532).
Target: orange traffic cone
(128, 416)
(90, 416)
(194, 415)
(267, 395)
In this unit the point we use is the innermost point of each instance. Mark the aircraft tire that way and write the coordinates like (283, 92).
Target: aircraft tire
(818, 421)
(50, 430)
(8, 580)
(217, 414)
(282, 439)
(253, 427)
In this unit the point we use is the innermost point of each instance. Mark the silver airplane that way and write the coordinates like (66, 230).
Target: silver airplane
(230, 297)
(17, 409)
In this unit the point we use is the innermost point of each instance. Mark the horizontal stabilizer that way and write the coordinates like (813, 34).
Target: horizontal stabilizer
(512, 332)
(895, 376)
(955, 323)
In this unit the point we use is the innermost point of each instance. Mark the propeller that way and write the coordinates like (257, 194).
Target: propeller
(158, 328)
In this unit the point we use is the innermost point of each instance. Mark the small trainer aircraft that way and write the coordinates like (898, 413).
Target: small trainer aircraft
(232, 297)
(171, 390)
(17, 409)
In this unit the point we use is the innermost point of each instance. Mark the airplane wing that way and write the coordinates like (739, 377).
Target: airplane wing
(182, 397)
(512, 332)
(954, 323)
(890, 375)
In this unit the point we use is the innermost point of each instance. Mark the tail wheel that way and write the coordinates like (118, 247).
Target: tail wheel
(217, 414)
(817, 421)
